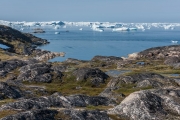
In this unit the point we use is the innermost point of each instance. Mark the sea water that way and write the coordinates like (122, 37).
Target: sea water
(85, 44)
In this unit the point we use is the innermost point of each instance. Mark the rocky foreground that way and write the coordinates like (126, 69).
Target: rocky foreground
(144, 86)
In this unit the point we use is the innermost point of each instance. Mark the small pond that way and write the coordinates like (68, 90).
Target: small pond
(3, 46)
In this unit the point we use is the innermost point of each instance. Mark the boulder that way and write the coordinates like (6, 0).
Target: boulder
(7, 91)
(83, 100)
(173, 61)
(106, 58)
(72, 60)
(139, 80)
(160, 52)
(85, 115)
(39, 72)
(85, 73)
(41, 114)
(158, 104)
(56, 100)
(9, 65)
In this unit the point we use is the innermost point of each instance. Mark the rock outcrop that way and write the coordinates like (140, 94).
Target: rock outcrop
(44, 55)
(106, 58)
(140, 80)
(158, 104)
(41, 114)
(7, 91)
(56, 100)
(9, 65)
(38, 72)
(160, 52)
(96, 76)
(67, 114)
(85, 115)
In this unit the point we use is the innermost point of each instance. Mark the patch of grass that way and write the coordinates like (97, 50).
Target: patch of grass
(62, 116)
(6, 101)
(100, 107)
(7, 112)
(116, 117)
(127, 89)
(68, 86)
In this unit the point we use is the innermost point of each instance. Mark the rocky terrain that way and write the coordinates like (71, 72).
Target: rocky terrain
(144, 86)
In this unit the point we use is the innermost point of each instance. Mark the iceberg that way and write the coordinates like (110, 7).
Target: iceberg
(57, 33)
(121, 29)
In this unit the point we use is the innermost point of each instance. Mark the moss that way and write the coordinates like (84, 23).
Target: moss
(68, 85)
(2, 102)
(7, 112)
(127, 89)
(116, 117)
(100, 107)
(62, 116)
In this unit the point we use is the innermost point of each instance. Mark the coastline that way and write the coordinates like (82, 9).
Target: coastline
(32, 87)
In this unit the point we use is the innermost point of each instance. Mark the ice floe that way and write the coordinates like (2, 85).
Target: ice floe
(95, 26)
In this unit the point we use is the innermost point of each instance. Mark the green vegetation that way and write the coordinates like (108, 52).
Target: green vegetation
(68, 86)
(6, 101)
(7, 112)
(127, 89)
(100, 107)
(116, 117)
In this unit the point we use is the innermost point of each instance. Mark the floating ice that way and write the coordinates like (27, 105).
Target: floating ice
(96, 26)
(173, 41)
(57, 33)
(80, 29)
(121, 29)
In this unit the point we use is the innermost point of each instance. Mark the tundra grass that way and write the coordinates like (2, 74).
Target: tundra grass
(7, 112)
(68, 86)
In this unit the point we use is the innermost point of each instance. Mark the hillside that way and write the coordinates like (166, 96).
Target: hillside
(143, 86)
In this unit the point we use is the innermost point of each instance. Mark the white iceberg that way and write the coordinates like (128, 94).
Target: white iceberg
(121, 29)
(57, 32)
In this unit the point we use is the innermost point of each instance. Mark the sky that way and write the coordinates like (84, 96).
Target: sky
(91, 10)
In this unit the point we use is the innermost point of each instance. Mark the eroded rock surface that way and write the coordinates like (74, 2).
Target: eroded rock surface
(158, 104)
(7, 91)
(57, 100)
(160, 52)
(9, 65)
(41, 114)
(38, 72)
(95, 75)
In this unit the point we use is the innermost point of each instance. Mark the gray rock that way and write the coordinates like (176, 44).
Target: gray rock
(38, 72)
(75, 61)
(140, 80)
(86, 115)
(56, 100)
(9, 65)
(83, 100)
(146, 79)
(96, 75)
(59, 68)
(7, 91)
(157, 104)
(160, 52)
(173, 61)
(106, 58)
(41, 114)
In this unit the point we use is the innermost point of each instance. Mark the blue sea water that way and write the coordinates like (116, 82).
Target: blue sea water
(3, 46)
(85, 44)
